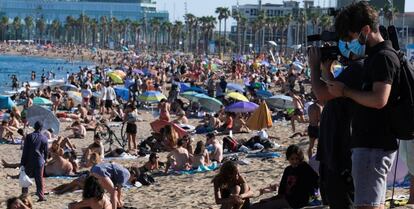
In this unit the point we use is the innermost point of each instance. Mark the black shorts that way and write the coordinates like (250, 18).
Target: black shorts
(108, 103)
(131, 128)
(313, 132)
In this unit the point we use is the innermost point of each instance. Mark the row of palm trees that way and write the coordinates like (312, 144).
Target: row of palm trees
(194, 34)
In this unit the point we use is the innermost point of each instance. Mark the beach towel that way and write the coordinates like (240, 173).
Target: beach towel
(264, 155)
(69, 177)
(201, 169)
(123, 156)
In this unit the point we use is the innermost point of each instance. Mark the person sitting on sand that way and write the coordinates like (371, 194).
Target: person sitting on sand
(240, 125)
(170, 137)
(6, 132)
(83, 111)
(151, 165)
(16, 112)
(200, 156)
(231, 190)
(215, 148)
(298, 184)
(22, 202)
(181, 118)
(178, 159)
(79, 131)
(228, 124)
(96, 147)
(93, 196)
(14, 122)
(58, 166)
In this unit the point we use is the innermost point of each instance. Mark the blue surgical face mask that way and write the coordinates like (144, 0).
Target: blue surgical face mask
(342, 45)
(356, 47)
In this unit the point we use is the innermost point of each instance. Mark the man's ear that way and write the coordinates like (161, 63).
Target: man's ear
(366, 30)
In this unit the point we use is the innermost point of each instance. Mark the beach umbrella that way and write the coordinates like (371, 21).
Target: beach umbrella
(38, 113)
(122, 92)
(190, 95)
(69, 87)
(115, 78)
(261, 118)
(137, 72)
(235, 87)
(272, 43)
(76, 96)
(194, 88)
(6, 103)
(242, 107)
(265, 63)
(184, 86)
(158, 124)
(151, 96)
(263, 94)
(120, 73)
(237, 96)
(41, 101)
(209, 103)
(280, 101)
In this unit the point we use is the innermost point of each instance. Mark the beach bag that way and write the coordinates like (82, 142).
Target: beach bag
(402, 110)
(24, 180)
(230, 144)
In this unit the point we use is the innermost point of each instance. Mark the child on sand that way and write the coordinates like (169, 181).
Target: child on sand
(297, 186)
(200, 157)
(231, 190)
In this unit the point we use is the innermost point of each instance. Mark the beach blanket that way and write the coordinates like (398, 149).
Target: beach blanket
(263, 155)
(63, 177)
(201, 169)
(16, 141)
(124, 156)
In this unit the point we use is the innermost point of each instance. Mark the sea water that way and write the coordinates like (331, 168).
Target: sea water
(22, 67)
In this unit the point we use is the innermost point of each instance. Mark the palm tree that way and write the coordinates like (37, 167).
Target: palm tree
(28, 22)
(16, 26)
(326, 22)
(390, 13)
(155, 26)
(258, 26)
(207, 26)
(94, 27)
(55, 28)
(220, 12)
(176, 34)
(4, 23)
(243, 25)
(41, 27)
(136, 29)
(225, 15)
(302, 20)
(287, 20)
(236, 16)
(190, 19)
(103, 24)
(167, 28)
(314, 18)
(69, 28)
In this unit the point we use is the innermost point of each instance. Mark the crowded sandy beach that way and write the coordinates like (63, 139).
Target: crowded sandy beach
(184, 130)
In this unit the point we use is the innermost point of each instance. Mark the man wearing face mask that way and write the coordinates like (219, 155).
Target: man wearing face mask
(334, 151)
(372, 143)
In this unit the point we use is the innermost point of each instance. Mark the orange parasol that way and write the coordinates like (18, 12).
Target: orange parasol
(158, 124)
(261, 118)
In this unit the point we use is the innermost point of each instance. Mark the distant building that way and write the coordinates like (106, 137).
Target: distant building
(294, 34)
(60, 9)
(398, 4)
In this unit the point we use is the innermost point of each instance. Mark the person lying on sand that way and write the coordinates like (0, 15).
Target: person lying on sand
(22, 202)
(93, 196)
(178, 159)
(231, 190)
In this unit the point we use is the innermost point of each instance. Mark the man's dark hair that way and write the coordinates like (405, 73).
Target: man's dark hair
(354, 17)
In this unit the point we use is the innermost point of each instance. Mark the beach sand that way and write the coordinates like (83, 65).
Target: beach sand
(173, 191)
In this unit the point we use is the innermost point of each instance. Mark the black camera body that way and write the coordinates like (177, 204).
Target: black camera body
(327, 52)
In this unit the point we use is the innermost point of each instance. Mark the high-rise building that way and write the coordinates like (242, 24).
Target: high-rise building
(60, 9)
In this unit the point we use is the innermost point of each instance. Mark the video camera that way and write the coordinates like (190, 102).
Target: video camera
(328, 52)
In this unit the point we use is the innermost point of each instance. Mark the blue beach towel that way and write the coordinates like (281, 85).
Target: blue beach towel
(201, 169)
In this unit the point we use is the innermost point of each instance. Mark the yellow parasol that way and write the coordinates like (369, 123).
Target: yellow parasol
(261, 118)
(120, 73)
(115, 78)
(237, 96)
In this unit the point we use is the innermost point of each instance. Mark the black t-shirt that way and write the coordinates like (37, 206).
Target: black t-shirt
(371, 128)
(298, 184)
(335, 126)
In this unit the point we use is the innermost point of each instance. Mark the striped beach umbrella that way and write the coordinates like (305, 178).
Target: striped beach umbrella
(151, 96)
